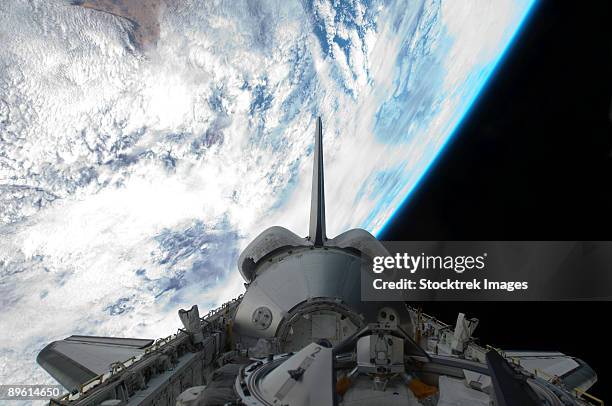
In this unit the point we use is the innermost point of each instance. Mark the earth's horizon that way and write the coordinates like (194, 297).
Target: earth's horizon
(132, 175)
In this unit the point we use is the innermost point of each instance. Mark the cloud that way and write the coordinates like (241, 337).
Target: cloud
(133, 180)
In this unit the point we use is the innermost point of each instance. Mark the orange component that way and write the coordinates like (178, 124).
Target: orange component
(342, 385)
(420, 389)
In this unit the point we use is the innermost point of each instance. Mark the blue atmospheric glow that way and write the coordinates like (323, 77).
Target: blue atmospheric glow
(484, 82)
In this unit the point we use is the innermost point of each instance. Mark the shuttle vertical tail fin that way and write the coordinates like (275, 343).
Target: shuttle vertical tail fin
(317, 202)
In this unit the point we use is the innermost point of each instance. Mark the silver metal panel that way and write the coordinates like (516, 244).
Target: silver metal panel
(396, 393)
(292, 279)
(325, 272)
(95, 357)
(265, 243)
(121, 342)
(314, 387)
(243, 324)
(72, 362)
(360, 240)
(551, 366)
(285, 281)
(324, 325)
(455, 392)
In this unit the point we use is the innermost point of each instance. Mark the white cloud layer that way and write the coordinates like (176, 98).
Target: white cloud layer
(129, 182)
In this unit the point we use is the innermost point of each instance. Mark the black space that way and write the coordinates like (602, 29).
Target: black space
(532, 161)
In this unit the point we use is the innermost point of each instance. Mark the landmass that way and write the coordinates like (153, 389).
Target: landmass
(144, 14)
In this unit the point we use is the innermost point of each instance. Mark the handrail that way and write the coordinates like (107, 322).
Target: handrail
(430, 317)
(578, 392)
(582, 393)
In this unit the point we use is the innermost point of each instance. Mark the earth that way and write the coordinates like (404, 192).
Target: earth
(135, 166)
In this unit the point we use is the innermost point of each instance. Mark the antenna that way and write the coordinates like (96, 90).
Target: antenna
(317, 199)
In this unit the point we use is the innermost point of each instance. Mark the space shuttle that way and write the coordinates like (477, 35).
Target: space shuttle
(301, 335)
